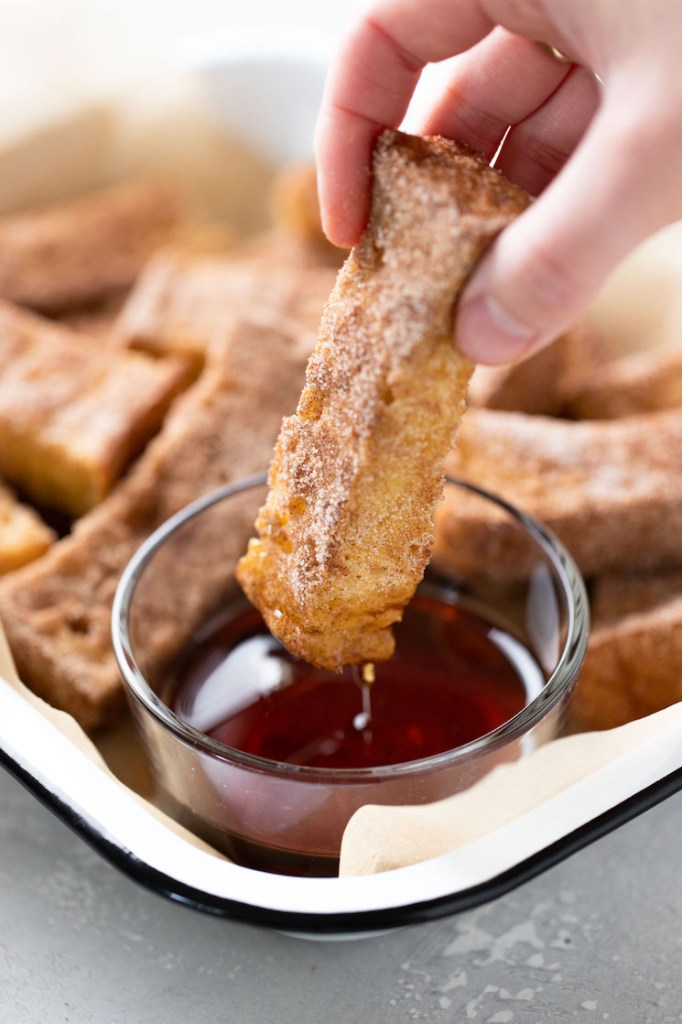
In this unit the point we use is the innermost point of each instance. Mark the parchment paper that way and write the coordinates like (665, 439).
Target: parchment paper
(382, 838)
(70, 728)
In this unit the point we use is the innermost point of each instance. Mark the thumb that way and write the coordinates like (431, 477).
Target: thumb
(545, 268)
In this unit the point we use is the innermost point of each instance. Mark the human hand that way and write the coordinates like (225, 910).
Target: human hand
(603, 154)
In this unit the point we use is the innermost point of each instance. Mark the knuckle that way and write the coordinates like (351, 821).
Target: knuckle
(550, 280)
(546, 158)
(386, 38)
(473, 120)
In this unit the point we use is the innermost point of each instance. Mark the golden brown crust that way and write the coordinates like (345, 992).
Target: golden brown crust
(23, 535)
(633, 668)
(633, 665)
(612, 491)
(296, 212)
(57, 611)
(76, 252)
(346, 532)
(614, 596)
(638, 383)
(536, 385)
(72, 412)
(182, 303)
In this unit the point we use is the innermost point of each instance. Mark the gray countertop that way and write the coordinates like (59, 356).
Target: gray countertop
(598, 938)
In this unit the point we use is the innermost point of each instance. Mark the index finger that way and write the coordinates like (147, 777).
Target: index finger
(369, 88)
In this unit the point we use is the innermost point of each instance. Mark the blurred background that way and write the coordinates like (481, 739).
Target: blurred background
(95, 90)
(177, 20)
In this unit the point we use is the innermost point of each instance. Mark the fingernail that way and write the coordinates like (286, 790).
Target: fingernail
(489, 333)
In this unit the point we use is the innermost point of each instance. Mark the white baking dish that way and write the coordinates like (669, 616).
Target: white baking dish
(267, 96)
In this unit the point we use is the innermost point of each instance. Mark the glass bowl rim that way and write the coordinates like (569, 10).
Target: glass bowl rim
(565, 672)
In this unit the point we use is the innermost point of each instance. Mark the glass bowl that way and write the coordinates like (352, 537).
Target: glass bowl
(289, 818)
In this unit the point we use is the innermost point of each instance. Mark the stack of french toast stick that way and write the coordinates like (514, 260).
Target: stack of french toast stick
(147, 357)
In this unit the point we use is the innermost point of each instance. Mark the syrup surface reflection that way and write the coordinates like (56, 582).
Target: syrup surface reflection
(454, 678)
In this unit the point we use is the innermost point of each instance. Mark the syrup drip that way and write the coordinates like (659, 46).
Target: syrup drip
(364, 676)
(363, 720)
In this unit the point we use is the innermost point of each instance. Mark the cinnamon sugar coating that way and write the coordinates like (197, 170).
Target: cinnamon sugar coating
(347, 528)
(633, 665)
(23, 535)
(537, 385)
(640, 382)
(57, 611)
(181, 302)
(81, 250)
(633, 668)
(74, 413)
(611, 491)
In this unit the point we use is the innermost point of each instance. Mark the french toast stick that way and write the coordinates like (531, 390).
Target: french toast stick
(534, 385)
(611, 491)
(78, 251)
(180, 303)
(57, 611)
(346, 531)
(641, 382)
(73, 413)
(613, 596)
(633, 665)
(97, 319)
(296, 213)
(23, 535)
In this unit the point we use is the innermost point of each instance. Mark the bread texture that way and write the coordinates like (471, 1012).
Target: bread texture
(535, 385)
(76, 252)
(611, 491)
(23, 535)
(633, 665)
(182, 302)
(296, 212)
(346, 531)
(57, 611)
(73, 413)
(637, 383)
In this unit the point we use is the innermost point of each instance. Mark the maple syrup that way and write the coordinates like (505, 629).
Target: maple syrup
(454, 678)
